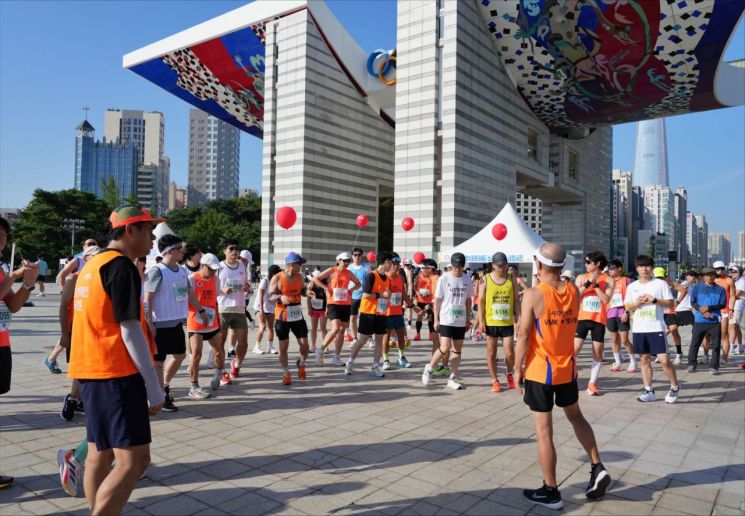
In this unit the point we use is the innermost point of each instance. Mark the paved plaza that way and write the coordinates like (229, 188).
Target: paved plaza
(338, 444)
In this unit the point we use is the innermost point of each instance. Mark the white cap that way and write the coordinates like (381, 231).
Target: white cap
(210, 260)
(343, 256)
(567, 274)
(719, 264)
(246, 255)
(407, 261)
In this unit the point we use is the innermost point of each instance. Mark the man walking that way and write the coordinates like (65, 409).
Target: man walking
(42, 265)
(707, 300)
(548, 318)
(231, 301)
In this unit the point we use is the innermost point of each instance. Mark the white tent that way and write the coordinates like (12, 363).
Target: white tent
(519, 244)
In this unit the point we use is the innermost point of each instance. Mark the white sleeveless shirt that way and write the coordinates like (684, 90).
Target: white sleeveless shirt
(171, 302)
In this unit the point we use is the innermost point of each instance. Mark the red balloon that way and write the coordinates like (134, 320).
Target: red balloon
(407, 223)
(499, 231)
(371, 256)
(286, 217)
(419, 257)
(362, 220)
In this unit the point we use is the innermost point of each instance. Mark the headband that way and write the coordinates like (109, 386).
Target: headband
(547, 261)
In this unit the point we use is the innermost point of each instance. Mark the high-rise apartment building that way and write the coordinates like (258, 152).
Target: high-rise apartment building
(741, 247)
(650, 163)
(692, 252)
(622, 224)
(720, 247)
(176, 197)
(214, 158)
(658, 210)
(96, 161)
(680, 205)
(529, 209)
(703, 240)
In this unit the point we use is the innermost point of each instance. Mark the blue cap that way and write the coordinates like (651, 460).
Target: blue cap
(293, 257)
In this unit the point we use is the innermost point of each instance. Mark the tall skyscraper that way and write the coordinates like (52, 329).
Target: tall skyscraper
(650, 163)
(741, 247)
(720, 247)
(146, 131)
(96, 161)
(703, 240)
(622, 232)
(658, 210)
(692, 240)
(680, 205)
(214, 158)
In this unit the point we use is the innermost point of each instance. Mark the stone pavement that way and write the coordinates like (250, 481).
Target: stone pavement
(338, 444)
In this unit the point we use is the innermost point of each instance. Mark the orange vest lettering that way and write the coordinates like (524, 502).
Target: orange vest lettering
(591, 307)
(293, 289)
(396, 301)
(550, 358)
(339, 288)
(206, 292)
(377, 306)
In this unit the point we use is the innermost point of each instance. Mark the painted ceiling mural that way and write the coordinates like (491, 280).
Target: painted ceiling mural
(584, 63)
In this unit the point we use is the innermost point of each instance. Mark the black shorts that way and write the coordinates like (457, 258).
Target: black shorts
(615, 324)
(500, 331)
(427, 307)
(540, 396)
(370, 324)
(42, 278)
(205, 335)
(338, 312)
(671, 320)
(6, 365)
(652, 343)
(170, 341)
(356, 306)
(298, 328)
(685, 318)
(596, 330)
(116, 412)
(453, 332)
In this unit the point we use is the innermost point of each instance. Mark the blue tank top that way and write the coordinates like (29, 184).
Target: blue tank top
(360, 274)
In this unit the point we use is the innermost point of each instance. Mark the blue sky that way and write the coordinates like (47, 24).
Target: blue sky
(56, 57)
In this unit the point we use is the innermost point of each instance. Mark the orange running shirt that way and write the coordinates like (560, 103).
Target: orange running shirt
(377, 306)
(293, 289)
(424, 289)
(591, 308)
(339, 288)
(722, 282)
(550, 358)
(206, 292)
(395, 305)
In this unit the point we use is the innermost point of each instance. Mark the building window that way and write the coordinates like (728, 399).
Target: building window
(532, 144)
(573, 168)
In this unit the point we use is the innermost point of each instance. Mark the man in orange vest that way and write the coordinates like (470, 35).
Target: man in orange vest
(113, 360)
(548, 319)
(10, 303)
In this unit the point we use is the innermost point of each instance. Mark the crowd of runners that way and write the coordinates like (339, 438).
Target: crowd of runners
(126, 331)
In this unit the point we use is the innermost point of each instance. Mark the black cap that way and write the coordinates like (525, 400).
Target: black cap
(429, 263)
(499, 259)
(458, 260)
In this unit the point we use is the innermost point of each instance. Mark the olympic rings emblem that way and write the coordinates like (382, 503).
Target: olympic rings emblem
(380, 63)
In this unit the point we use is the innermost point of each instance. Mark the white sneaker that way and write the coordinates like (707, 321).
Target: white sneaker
(646, 396)
(376, 372)
(452, 384)
(426, 376)
(677, 360)
(348, 368)
(370, 343)
(319, 355)
(257, 349)
(336, 361)
(271, 349)
(386, 365)
(672, 396)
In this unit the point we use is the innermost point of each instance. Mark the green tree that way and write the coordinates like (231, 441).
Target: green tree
(131, 200)
(208, 230)
(110, 193)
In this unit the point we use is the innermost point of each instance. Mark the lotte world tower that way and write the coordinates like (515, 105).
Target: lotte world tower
(650, 163)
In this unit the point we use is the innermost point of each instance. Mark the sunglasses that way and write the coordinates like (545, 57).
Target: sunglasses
(233, 248)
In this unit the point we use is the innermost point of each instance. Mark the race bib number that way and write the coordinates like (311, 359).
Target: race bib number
(234, 285)
(458, 313)
(424, 292)
(5, 316)
(616, 301)
(181, 291)
(316, 304)
(382, 305)
(396, 298)
(341, 294)
(294, 313)
(500, 311)
(646, 313)
(210, 314)
(591, 304)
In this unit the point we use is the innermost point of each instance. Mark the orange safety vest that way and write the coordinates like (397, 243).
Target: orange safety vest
(99, 352)
(5, 317)
(339, 284)
(424, 286)
(377, 306)
(206, 292)
(722, 282)
(396, 301)
(591, 308)
(293, 289)
(550, 358)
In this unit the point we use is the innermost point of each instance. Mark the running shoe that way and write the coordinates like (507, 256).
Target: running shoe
(615, 368)
(426, 376)
(319, 355)
(215, 383)
(510, 381)
(495, 387)
(592, 389)
(376, 372)
(402, 362)
(168, 405)
(441, 371)
(632, 370)
(52, 366)
(599, 482)
(647, 396)
(336, 361)
(287, 379)
(546, 496)
(300, 370)
(677, 360)
(231, 353)
(672, 395)
(713, 371)
(386, 365)
(271, 349)
(692, 368)
(348, 368)
(198, 393)
(70, 471)
(68, 408)
(257, 349)
(452, 384)
(417, 337)
(235, 371)
(225, 380)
